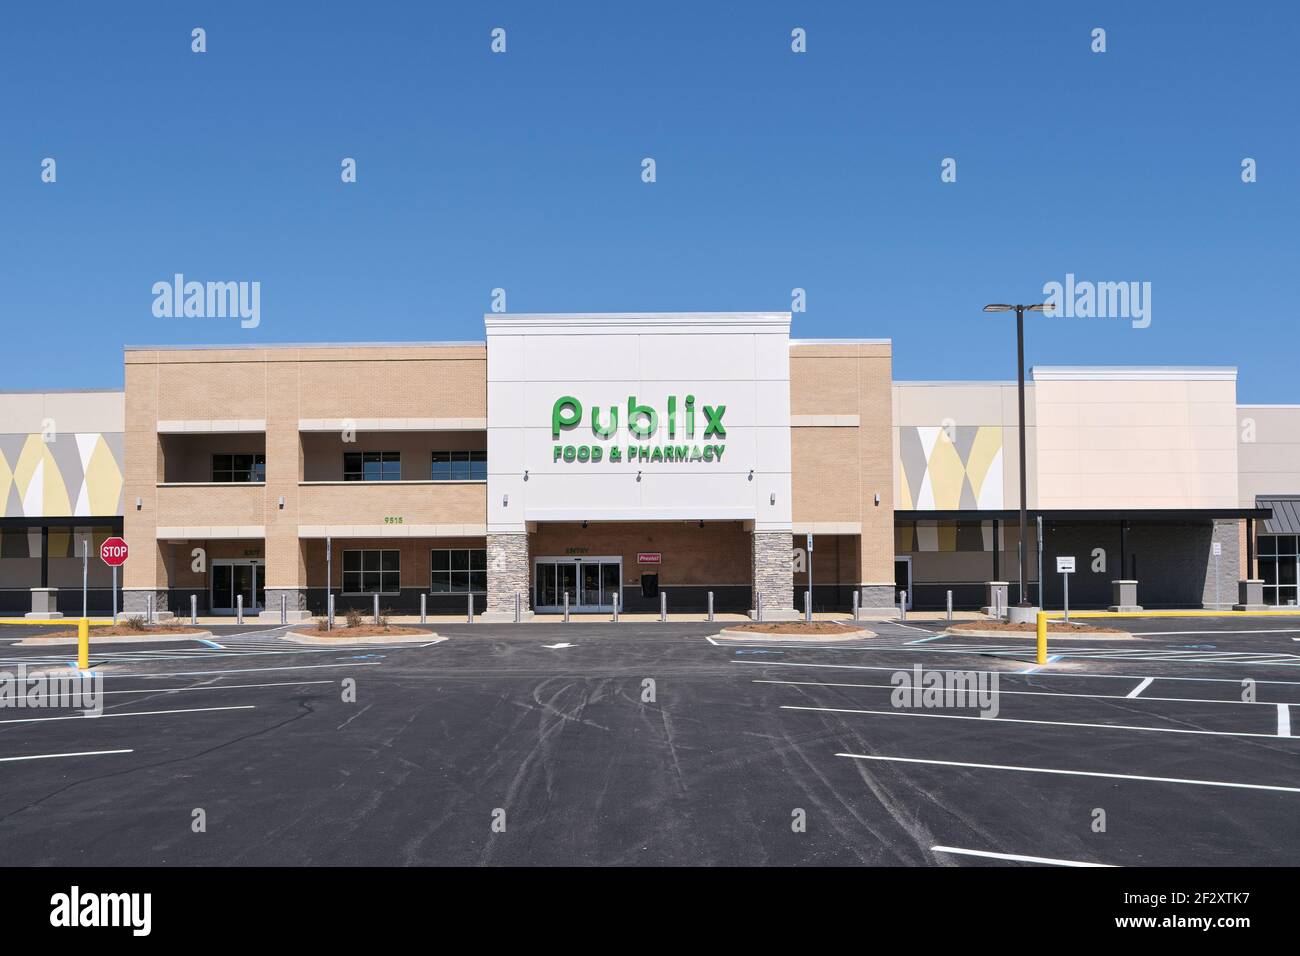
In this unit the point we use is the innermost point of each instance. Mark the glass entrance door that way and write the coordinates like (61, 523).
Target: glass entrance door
(590, 583)
(233, 579)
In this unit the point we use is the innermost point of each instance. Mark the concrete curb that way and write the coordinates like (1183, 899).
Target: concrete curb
(1051, 635)
(735, 634)
(298, 638)
(118, 639)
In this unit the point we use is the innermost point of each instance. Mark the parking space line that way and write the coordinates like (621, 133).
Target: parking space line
(79, 753)
(1077, 773)
(1047, 693)
(969, 670)
(1284, 720)
(1146, 682)
(133, 713)
(1024, 720)
(1015, 857)
(172, 690)
(262, 670)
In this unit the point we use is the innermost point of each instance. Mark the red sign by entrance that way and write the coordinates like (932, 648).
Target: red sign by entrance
(649, 557)
(113, 552)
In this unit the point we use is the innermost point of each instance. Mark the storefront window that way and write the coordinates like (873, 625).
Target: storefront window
(458, 571)
(371, 572)
(1279, 556)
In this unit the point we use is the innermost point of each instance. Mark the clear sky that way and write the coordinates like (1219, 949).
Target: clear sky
(775, 170)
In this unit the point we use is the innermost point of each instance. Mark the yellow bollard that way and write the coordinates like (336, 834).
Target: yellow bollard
(83, 644)
(1042, 637)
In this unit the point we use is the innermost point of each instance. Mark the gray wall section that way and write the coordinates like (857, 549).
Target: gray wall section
(1175, 566)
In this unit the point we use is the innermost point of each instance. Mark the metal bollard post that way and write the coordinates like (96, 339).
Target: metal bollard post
(329, 613)
(663, 607)
(148, 608)
(284, 609)
(710, 607)
(613, 600)
(518, 613)
(949, 607)
(566, 607)
(856, 597)
(469, 611)
(807, 605)
(902, 606)
(376, 609)
(239, 609)
(758, 606)
(83, 645)
(424, 616)
(194, 609)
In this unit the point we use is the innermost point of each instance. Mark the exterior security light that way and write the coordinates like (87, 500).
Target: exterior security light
(282, 502)
(751, 474)
(773, 498)
(638, 476)
(138, 504)
(1020, 311)
(877, 499)
(505, 501)
(525, 474)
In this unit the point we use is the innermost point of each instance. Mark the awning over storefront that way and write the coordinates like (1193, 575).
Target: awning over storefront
(1286, 514)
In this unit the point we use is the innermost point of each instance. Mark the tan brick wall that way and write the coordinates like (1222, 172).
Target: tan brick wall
(717, 554)
(282, 386)
(839, 470)
(415, 557)
(323, 451)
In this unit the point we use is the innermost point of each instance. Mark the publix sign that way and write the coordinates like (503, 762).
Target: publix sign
(686, 437)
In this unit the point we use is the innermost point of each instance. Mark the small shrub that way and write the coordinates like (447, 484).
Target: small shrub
(135, 623)
(321, 623)
(353, 617)
(384, 615)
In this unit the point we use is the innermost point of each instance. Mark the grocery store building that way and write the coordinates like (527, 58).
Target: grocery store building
(634, 458)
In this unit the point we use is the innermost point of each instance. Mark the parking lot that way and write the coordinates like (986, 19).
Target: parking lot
(648, 743)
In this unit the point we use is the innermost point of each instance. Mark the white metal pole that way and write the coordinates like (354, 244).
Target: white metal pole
(115, 594)
(85, 574)
(1065, 585)
(329, 585)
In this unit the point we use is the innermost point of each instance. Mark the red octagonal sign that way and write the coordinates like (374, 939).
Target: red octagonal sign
(113, 552)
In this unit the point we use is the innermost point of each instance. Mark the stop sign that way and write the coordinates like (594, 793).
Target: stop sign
(113, 552)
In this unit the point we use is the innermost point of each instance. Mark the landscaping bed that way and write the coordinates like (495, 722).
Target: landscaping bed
(1053, 627)
(344, 632)
(128, 630)
(796, 628)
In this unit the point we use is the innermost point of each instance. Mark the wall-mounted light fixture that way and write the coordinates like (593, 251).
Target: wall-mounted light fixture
(505, 501)
(282, 502)
(138, 504)
(877, 499)
(525, 474)
(701, 522)
(584, 524)
(638, 476)
(773, 498)
(751, 474)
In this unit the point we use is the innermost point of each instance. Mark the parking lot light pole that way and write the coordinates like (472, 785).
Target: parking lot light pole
(1020, 381)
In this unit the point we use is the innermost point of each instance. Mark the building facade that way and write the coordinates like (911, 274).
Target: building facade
(634, 459)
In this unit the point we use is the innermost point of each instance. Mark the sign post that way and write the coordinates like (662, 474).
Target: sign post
(113, 552)
(1217, 548)
(810, 577)
(1065, 567)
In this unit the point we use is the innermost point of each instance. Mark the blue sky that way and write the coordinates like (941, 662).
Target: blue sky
(775, 171)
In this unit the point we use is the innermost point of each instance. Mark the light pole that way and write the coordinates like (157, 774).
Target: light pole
(1020, 381)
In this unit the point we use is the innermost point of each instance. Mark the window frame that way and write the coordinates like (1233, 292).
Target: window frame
(471, 563)
(380, 458)
(360, 573)
(464, 464)
(256, 472)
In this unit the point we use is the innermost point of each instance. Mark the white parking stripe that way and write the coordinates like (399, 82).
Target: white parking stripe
(292, 667)
(1016, 857)
(172, 690)
(1006, 673)
(133, 713)
(1022, 720)
(1045, 693)
(79, 753)
(1077, 773)
(1284, 720)
(1146, 682)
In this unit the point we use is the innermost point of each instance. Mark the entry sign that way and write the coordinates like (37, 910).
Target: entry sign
(113, 552)
(649, 557)
(1217, 548)
(810, 544)
(1065, 565)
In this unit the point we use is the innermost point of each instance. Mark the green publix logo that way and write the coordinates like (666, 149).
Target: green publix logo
(642, 422)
